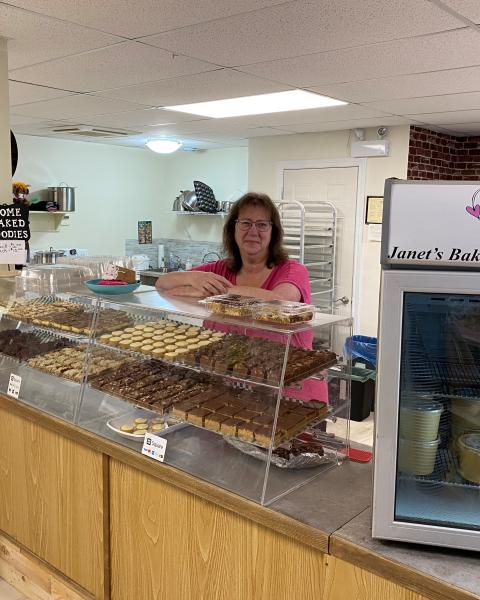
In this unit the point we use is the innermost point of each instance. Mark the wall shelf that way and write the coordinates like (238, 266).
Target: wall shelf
(45, 221)
(192, 213)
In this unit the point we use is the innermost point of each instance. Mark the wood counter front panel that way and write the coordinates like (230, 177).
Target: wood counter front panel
(167, 543)
(51, 499)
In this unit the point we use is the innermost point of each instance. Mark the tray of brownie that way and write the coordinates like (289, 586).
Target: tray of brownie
(295, 454)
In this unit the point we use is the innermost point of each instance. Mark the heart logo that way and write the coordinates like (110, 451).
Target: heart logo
(474, 210)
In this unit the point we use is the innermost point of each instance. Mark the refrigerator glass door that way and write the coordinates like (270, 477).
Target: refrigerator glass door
(427, 434)
(438, 450)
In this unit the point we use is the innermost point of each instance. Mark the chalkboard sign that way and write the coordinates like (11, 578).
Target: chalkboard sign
(14, 223)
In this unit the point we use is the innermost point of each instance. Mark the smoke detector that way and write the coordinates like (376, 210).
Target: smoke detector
(91, 131)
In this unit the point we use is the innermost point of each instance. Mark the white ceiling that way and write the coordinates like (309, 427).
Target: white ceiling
(116, 63)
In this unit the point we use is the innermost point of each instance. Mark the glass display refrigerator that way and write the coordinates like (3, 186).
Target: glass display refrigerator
(427, 434)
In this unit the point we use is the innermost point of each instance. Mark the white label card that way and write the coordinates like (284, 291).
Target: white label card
(13, 252)
(154, 446)
(14, 384)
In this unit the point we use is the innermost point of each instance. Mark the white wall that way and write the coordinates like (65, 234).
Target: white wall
(117, 186)
(266, 152)
(224, 170)
(5, 164)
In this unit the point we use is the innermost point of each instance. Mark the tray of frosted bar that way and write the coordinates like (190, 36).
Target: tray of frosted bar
(231, 305)
(283, 312)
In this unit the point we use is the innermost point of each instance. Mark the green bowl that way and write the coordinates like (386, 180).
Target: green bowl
(111, 290)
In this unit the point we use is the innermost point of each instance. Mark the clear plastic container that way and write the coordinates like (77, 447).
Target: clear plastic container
(51, 279)
(469, 456)
(231, 305)
(284, 312)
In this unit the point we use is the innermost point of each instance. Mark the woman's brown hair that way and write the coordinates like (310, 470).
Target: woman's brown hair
(276, 251)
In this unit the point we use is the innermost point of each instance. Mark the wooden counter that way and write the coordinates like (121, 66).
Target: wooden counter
(102, 521)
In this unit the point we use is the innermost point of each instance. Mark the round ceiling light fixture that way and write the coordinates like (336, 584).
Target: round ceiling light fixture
(163, 146)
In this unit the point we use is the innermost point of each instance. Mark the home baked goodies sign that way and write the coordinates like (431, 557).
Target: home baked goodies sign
(431, 224)
(14, 233)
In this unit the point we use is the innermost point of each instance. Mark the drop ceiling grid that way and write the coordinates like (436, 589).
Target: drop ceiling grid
(266, 34)
(146, 17)
(129, 76)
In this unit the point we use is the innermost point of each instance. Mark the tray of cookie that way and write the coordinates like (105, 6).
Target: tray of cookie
(136, 424)
(166, 340)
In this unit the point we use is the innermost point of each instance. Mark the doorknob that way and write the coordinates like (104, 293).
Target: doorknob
(343, 300)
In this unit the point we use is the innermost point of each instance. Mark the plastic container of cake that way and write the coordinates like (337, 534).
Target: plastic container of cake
(469, 456)
(231, 305)
(283, 312)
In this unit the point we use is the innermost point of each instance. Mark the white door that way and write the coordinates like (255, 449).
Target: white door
(338, 186)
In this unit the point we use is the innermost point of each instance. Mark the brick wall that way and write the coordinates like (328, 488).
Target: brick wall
(435, 155)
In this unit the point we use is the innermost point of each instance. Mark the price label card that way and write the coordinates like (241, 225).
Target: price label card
(13, 252)
(14, 384)
(154, 446)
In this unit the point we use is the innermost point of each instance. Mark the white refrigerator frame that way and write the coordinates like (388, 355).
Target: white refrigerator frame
(395, 282)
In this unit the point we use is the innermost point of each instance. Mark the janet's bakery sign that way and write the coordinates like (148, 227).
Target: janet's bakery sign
(431, 223)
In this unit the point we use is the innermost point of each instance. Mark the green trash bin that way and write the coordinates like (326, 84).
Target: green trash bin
(362, 390)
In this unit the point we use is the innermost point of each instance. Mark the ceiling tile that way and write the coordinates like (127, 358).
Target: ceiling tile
(34, 38)
(16, 120)
(147, 16)
(320, 115)
(448, 118)
(430, 104)
(448, 50)
(23, 93)
(73, 107)
(213, 85)
(349, 124)
(319, 25)
(468, 8)
(142, 118)
(124, 64)
(434, 83)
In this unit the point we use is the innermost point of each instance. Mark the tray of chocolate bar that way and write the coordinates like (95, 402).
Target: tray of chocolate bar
(282, 312)
(236, 413)
(295, 454)
(231, 305)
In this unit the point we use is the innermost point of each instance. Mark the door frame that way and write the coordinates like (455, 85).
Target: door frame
(361, 165)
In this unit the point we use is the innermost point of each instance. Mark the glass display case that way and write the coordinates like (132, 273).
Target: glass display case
(243, 404)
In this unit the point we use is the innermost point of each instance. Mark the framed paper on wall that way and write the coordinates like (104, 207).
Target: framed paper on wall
(374, 211)
(144, 232)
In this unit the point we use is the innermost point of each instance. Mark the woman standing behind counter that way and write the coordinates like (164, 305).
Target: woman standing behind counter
(256, 265)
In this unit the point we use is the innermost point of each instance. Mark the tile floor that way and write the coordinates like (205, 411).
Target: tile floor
(7, 592)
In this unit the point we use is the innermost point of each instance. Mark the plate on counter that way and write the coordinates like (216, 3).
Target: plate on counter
(132, 425)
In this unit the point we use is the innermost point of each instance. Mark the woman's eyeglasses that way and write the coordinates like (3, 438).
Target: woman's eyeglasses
(246, 224)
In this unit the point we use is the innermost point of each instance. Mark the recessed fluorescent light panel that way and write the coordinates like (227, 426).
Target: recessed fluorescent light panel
(258, 105)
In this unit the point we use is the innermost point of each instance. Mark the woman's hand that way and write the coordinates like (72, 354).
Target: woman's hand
(205, 282)
(186, 291)
(209, 284)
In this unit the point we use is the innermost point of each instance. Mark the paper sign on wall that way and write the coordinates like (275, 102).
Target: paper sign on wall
(14, 384)
(13, 252)
(154, 446)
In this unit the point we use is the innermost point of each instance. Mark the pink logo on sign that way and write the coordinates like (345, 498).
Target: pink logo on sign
(474, 210)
